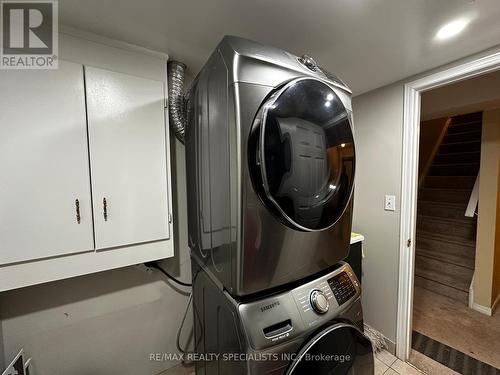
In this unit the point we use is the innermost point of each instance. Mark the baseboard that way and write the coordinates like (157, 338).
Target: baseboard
(390, 346)
(482, 309)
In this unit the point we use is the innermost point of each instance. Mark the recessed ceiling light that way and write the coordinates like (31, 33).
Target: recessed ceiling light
(451, 29)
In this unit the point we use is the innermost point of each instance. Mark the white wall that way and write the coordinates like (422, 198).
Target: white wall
(378, 172)
(105, 323)
(378, 122)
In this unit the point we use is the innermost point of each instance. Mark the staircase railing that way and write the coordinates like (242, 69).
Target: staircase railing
(473, 200)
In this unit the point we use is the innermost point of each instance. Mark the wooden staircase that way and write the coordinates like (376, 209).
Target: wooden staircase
(446, 239)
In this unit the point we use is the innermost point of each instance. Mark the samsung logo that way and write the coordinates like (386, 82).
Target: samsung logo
(270, 306)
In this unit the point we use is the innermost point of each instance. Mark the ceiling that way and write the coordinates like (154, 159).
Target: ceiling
(471, 95)
(368, 43)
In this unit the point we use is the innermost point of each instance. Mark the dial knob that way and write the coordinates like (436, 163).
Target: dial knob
(319, 302)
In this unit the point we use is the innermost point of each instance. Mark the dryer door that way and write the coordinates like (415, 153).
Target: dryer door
(303, 154)
(338, 349)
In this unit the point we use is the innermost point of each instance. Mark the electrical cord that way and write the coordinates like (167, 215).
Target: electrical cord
(179, 331)
(156, 266)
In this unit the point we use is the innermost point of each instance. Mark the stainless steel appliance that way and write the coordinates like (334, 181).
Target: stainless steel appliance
(311, 328)
(270, 167)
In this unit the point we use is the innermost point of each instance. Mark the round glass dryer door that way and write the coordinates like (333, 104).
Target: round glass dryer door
(303, 154)
(338, 349)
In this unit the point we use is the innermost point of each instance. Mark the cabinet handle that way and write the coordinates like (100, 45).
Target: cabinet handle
(105, 209)
(77, 207)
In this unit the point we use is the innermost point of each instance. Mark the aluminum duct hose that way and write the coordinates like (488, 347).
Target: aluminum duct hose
(176, 99)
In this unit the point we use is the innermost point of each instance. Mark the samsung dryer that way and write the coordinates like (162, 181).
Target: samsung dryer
(270, 167)
(315, 327)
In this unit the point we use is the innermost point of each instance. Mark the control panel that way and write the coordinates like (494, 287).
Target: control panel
(283, 316)
(324, 298)
(343, 288)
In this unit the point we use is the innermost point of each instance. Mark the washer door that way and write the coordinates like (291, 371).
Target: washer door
(301, 152)
(338, 349)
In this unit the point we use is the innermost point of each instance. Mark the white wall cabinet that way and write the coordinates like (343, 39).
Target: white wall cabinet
(70, 138)
(44, 165)
(127, 158)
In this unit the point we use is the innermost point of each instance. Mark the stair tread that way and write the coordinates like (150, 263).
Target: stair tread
(467, 262)
(447, 189)
(466, 132)
(459, 153)
(462, 221)
(453, 124)
(448, 274)
(444, 290)
(447, 238)
(454, 165)
(439, 203)
(460, 142)
(447, 182)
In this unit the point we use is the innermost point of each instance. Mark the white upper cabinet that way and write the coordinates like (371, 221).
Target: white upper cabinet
(128, 159)
(44, 165)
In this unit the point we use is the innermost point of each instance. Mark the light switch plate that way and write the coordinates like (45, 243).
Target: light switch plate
(390, 203)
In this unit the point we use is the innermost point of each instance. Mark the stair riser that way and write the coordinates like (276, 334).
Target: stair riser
(443, 247)
(460, 128)
(454, 170)
(446, 182)
(462, 137)
(451, 196)
(444, 273)
(468, 117)
(466, 232)
(444, 290)
(436, 210)
(469, 157)
(459, 147)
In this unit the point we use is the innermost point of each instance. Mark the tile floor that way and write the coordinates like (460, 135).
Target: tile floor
(388, 364)
(454, 324)
(385, 363)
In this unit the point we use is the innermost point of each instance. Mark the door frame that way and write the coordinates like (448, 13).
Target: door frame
(409, 183)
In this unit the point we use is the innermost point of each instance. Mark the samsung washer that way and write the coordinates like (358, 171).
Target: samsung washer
(315, 327)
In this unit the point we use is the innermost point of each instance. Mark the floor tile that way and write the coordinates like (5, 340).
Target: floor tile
(404, 368)
(390, 371)
(386, 357)
(380, 367)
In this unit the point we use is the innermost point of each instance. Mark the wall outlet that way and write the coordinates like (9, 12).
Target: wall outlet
(390, 203)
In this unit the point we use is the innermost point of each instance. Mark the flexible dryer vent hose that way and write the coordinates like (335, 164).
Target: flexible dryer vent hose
(176, 98)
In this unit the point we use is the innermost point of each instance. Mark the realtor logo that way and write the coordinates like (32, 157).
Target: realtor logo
(29, 35)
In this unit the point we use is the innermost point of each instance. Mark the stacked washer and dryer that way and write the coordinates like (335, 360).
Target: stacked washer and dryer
(270, 175)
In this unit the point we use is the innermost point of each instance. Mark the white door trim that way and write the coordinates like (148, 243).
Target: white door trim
(411, 127)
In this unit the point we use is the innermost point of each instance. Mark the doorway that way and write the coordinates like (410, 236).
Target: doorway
(411, 133)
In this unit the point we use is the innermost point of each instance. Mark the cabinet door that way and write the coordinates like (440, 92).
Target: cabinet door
(127, 157)
(44, 166)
